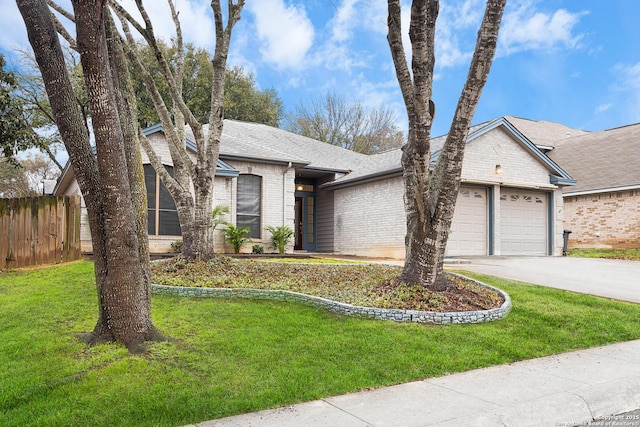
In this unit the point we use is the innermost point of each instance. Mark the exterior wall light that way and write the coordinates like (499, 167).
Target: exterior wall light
(498, 170)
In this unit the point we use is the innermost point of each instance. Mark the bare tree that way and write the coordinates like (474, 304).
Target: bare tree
(430, 197)
(193, 207)
(120, 260)
(350, 125)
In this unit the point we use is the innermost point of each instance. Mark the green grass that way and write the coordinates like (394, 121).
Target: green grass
(629, 254)
(232, 356)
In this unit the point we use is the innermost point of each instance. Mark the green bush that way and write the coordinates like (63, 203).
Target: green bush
(280, 236)
(177, 246)
(236, 237)
(217, 216)
(257, 249)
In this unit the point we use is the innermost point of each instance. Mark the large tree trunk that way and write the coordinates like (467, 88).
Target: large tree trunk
(194, 209)
(430, 197)
(123, 294)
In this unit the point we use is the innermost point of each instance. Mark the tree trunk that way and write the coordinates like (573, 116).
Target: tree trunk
(194, 210)
(123, 294)
(430, 197)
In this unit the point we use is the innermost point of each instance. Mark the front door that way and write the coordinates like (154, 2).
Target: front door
(305, 232)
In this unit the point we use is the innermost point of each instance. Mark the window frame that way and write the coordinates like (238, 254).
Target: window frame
(160, 203)
(249, 211)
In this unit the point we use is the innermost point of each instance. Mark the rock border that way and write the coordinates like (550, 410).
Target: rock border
(398, 315)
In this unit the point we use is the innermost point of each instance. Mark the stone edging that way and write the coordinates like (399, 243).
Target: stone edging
(347, 309)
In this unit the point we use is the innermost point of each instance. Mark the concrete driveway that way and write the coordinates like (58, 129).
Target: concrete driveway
(617, 279)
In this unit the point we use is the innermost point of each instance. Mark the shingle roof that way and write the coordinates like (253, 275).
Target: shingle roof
(258, 141)
(544, 133)
(389, 162)
(601, 160)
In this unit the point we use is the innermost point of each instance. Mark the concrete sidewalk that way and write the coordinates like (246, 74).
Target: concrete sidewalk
(564, 390)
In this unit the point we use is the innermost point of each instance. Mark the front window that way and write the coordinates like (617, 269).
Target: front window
(162, 216)
(248, 204)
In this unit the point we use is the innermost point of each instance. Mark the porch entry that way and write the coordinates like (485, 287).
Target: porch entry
(305, 216)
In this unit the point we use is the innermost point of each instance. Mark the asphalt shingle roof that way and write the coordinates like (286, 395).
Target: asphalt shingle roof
(544, 133)
(390, 162)
(258, 141)
(601, 160)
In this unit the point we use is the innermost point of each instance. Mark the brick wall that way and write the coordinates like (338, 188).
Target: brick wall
(370, 220)
(278, 201)
(498, 147)
(606, 220)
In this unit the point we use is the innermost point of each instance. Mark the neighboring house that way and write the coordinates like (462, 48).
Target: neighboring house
(603, 209)
(336, 200)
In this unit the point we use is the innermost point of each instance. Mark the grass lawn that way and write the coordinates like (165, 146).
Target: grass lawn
(232, 356)
(630, 254)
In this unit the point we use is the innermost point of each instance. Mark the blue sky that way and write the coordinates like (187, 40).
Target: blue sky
(574, 62)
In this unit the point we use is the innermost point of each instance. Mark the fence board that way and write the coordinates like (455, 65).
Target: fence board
(39, 230)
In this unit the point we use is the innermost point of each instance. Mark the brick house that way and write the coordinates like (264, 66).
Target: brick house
(510, 200)
(603, 209)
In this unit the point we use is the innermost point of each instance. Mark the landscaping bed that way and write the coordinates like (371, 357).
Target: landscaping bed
(360, 285)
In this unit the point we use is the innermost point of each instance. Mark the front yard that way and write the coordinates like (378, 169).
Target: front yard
(629, 254)
(226, 357)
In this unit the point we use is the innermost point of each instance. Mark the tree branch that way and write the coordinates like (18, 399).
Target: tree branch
(394, 38)
(55, 6)
(176, 144)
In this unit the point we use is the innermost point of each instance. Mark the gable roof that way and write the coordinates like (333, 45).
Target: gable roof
(222, 168)
(388, 164)
(602, 161)
(263, 143)
(544, 134)
(67, 175)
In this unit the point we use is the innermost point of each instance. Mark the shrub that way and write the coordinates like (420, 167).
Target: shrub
(257, 249)
(217, 216)
(177, 246)
(280, 236)
(236, 237)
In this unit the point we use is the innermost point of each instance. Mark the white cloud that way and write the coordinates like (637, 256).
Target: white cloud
(603, 107)
(524, 29)
(343, 21)
(14, 34)
(285, 32)
(196, 20)
(629, 75)
(628, 86)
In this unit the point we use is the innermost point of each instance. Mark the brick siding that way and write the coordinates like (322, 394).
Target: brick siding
(606, 220)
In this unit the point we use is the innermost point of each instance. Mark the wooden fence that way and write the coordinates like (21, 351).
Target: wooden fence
(39, 230)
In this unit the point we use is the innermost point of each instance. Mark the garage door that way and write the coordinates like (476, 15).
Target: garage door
(469, 228)
(523, 219)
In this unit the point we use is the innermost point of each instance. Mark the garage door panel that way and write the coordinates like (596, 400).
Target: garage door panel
(469, 227)
(523, 217)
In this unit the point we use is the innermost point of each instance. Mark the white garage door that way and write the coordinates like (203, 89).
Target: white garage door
(523, 219)
(469, 228)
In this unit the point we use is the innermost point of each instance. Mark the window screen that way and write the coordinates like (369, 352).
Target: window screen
(248, 204)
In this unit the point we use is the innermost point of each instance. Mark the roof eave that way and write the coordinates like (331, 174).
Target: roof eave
(557, 180)
(363, 179)
(601, 190)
